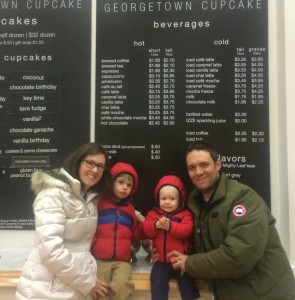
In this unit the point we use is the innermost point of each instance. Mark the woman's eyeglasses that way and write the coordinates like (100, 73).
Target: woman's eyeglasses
(91, 164)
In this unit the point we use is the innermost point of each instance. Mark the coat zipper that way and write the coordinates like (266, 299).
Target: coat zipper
(117, 212)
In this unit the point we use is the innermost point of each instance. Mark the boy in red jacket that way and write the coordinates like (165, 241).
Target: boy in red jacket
(116, 229)
(170, 226)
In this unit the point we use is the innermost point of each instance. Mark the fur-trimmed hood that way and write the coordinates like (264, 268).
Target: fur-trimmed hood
(56, 178)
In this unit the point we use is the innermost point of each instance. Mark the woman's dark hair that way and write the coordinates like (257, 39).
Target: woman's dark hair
(72, 165)
(202, 145)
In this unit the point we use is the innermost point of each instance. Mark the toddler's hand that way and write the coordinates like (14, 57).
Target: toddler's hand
(163, 223)
(166, 225)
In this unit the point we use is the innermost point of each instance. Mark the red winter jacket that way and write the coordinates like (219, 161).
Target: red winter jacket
(116, 229)
(181, 223)
(117, 226)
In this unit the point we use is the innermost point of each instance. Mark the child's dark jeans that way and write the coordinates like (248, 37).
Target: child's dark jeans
(161, 274)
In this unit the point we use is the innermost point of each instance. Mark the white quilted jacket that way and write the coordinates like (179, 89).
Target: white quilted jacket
(60, 265)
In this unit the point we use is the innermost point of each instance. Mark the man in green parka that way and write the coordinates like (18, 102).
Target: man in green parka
(237, 244)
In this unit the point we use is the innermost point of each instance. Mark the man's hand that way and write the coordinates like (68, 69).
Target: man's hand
(178, 260)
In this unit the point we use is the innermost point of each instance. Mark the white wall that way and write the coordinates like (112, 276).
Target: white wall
(277, 118)
(281, 62)
(290, 121)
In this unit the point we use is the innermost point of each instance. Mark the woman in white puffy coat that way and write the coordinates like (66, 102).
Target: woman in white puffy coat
(60, 265)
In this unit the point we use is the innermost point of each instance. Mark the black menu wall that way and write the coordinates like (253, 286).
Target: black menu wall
(168, 73)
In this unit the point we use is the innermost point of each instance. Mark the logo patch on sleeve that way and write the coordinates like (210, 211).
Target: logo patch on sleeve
(239, 210)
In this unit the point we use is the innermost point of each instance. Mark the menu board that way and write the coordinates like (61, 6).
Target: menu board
(170, 73)
(44, 95)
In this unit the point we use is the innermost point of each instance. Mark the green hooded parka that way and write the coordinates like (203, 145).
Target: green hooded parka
(238, 246)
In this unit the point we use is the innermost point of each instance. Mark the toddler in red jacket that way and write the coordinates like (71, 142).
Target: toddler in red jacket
(117, 227)
(170, 225)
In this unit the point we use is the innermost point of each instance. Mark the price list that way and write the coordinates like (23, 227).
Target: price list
(155, 152)
(250, 94)
(161, 88)
(191, 76)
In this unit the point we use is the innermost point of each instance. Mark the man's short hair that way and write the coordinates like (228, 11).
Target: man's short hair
(204, 146)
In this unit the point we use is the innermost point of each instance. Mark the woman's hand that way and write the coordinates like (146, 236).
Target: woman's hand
(100, 289)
